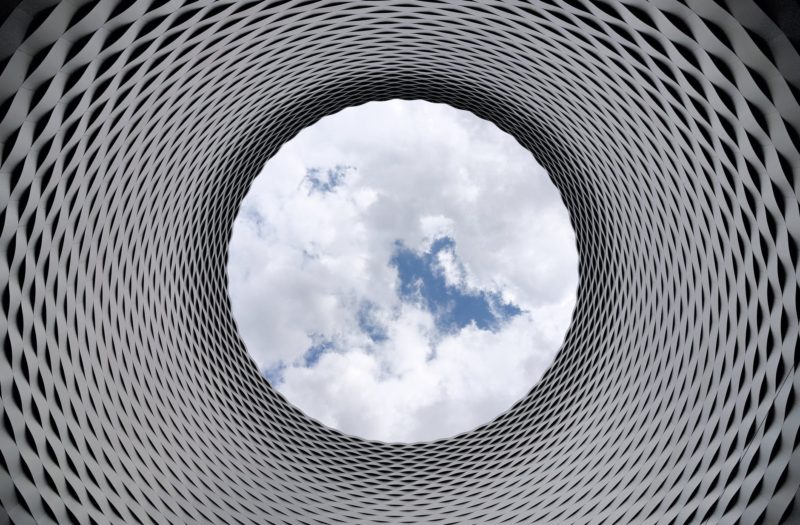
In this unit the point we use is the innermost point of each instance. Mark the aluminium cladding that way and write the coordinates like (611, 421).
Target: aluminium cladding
(131, 130)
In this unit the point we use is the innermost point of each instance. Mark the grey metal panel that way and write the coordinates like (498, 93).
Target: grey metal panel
(131, 131)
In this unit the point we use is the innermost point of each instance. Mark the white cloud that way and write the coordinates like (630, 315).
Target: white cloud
(304, 263)
(454, 273)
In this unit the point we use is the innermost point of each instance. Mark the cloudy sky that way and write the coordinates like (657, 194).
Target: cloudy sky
(403, 271)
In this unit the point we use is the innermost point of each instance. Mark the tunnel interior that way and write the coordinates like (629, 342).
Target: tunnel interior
(131, 131)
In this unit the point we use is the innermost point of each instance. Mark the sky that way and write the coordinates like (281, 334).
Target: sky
(402, 271)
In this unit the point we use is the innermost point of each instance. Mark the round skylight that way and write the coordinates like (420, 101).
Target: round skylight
(403, 271)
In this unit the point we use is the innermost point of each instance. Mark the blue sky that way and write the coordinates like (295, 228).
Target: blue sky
(402, 271)
(325, 180)
(453, 307)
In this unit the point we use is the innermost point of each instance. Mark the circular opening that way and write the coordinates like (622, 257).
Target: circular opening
(403, 271)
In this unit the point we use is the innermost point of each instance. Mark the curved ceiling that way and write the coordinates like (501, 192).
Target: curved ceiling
(131, 131)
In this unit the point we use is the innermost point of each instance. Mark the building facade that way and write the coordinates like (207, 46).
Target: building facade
(131, 130)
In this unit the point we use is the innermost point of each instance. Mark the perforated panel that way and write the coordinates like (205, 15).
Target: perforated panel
(131, 131)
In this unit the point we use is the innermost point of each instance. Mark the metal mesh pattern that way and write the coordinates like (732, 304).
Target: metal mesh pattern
(131, 130)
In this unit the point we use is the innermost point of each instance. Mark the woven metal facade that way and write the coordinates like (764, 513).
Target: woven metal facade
(131, 130)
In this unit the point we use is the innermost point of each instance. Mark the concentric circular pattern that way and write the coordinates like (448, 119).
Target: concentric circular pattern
(131, 130)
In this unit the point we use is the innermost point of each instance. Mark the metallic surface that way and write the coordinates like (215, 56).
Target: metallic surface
(131, 130)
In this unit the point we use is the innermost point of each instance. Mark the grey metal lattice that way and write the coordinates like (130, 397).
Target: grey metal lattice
(131, 130)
